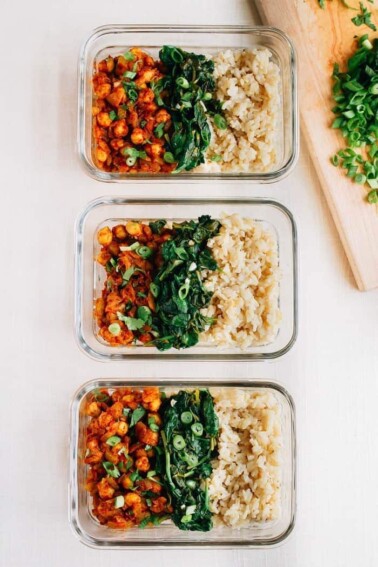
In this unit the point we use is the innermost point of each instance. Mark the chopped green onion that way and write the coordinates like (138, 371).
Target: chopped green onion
(184, 290)
(191, 483)
(190, 510)
(131, 161)
(360, 178)
(191, 459)
(182, 82)
(114, 440)
(144, 252)
(186, 519)
(373, 183)
(119, 501)
(335, 160)
(154, 289)
(373, 197)
(114, 329)
(151, 474)
(129, 74)
(129, 56)
(187, 417)
(111, 469)
(152, 424)
(197, 429)
(178, 442)
(135, 476)
(112, 115)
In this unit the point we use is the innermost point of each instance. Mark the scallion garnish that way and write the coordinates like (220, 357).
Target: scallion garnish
(111, 469)
(114, 440)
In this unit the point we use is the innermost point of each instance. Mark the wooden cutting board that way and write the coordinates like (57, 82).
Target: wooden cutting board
(322, 37)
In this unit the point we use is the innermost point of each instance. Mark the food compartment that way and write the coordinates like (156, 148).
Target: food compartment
(133, 117)
(265, 519)
(258, 291)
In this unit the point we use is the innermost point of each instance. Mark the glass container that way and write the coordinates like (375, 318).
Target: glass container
(90, 276)
(115, 39)
(93, 534)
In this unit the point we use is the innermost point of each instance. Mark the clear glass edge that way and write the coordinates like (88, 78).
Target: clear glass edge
(139, 382)
(271, 177)
(221, 357)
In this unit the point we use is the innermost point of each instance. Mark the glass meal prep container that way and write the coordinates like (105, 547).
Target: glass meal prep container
(90, 276)
(116, 39)
(260, 534)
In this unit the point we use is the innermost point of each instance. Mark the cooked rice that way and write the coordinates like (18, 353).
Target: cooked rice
(246, 288)
(245, 486)
(248, 84)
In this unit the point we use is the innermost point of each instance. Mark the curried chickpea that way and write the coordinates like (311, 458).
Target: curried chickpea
(134, 228)
(104, 236)
(104, 119)
(120, 232)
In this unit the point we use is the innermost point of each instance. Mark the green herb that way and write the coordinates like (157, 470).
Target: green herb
(152, 519)
(100, 396)
(134, 153)
(159, 130)
(220, 122)
(157, 226)
(178, 286)
(187, 90)
(216, 158)
(129, 56)
(152, 424)
(111, 469)
(322, 4)
(114, 329)
(169, 157)
(184, 463)
(364, 18)
(132, 323)
(137, 415)
(112, 115)
(114, 440)
(355, 93)
(135, 476)
(131, 90)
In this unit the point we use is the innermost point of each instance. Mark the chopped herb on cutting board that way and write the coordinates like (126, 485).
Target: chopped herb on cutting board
(355, 92)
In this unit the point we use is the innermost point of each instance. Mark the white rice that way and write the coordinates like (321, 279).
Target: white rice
(245, 486)
(248, 84)
(246, 286)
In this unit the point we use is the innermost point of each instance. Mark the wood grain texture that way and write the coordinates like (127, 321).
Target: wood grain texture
(322, 37)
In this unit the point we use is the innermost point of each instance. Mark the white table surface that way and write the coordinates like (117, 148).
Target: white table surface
(332, 372)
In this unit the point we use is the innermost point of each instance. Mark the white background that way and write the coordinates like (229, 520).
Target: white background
(332, 371)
